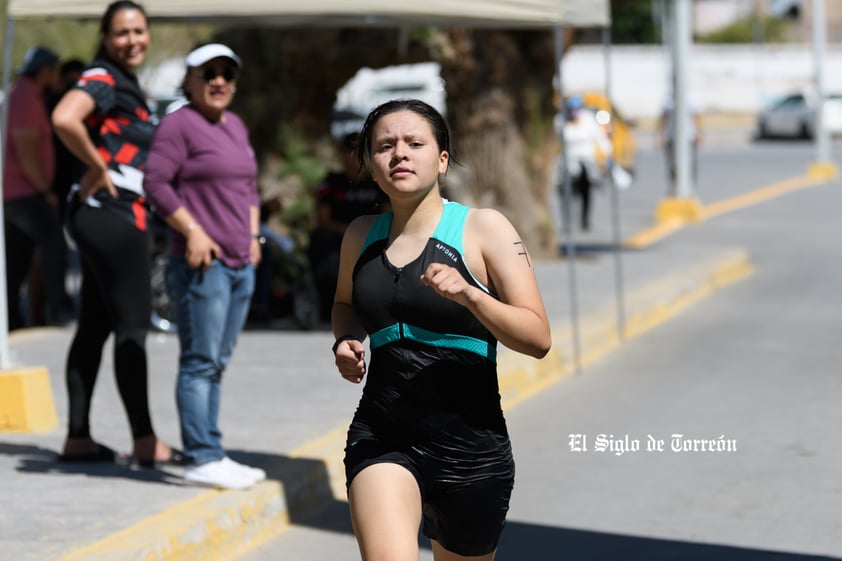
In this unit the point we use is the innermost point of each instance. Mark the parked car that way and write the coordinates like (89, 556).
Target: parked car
(793, 116)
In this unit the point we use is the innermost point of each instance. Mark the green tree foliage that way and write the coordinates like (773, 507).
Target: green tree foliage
(748, 30)
(68, 38)
(632, 22)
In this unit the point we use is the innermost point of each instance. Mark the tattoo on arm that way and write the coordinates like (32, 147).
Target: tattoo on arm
(522, 251)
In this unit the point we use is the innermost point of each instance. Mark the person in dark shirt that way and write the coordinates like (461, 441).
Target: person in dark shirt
(34, 241)
(340, 198)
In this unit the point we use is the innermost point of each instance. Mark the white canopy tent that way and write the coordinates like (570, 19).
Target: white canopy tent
(503, 14)
(473, 13)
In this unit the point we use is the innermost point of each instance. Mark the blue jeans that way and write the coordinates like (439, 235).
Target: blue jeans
(211, 309)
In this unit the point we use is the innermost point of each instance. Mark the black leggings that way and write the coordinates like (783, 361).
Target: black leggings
(582, 187)
(115, 298)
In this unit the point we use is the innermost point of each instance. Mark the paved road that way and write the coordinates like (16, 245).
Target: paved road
(755, 368)
(758, 363)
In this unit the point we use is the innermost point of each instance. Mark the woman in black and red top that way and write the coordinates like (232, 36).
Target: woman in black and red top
(104, 121)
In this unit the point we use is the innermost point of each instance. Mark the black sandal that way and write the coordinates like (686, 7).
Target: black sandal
(176, 459)
(103, 455)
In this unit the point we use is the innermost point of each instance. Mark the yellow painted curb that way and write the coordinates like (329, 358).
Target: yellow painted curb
(521, 376)
(822, 170)
(26, 401)
(675, 293)
(671, 209)
(647, 237)
(761, 195)
(221, 525)
(673, 214)
(214, 525)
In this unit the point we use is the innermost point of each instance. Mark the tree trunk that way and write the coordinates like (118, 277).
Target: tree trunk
(500, 109)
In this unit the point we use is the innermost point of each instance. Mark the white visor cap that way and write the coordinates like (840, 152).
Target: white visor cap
(203, 54)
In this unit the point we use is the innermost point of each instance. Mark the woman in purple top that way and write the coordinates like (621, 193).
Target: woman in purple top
(202, 179)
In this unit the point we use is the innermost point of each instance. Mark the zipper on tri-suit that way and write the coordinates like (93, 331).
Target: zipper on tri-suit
(395, 282)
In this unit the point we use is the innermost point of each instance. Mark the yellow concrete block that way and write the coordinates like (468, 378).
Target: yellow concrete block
(822, 170)
(674, 209)
(26, 400)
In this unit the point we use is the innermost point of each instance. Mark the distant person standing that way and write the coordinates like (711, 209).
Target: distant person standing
(68, 169)
(667, 133)
(30, 206)
(585, 144)
(105, 122)
(202, 179)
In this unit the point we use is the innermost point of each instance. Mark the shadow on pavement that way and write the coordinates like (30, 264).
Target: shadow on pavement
(305, 481)
(530, 541)
(35, 459)
(533, 541)
(590, 249)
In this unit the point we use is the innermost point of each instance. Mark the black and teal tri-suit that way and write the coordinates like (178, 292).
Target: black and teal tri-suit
(431, 402)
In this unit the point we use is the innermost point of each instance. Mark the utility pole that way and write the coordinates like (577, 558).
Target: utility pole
(681, 203)
(5, 360)
(823, 166)
(684, 187)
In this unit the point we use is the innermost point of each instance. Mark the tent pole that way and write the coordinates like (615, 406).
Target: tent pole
(820, 133)
(563, 184)
(5, 361)
(615, 197)
(685, 187)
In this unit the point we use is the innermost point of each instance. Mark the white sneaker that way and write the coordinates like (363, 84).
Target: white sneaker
(218, 474)
(256, 474)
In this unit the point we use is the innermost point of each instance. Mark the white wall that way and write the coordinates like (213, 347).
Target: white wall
(727, 78)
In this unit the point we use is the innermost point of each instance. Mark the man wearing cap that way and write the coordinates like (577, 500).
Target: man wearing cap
(30, 206)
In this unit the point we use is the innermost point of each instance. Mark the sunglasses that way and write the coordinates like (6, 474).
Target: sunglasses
(229, 74)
